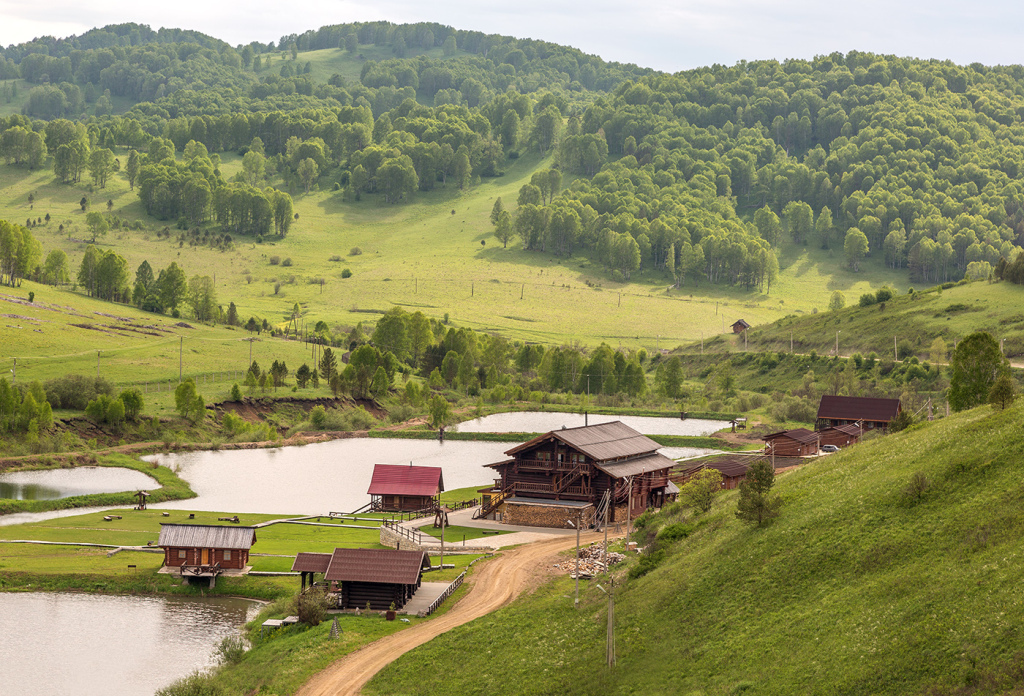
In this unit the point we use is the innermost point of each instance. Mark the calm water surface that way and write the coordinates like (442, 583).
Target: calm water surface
(98, 645)
(319, 478)
(63, 483)
(543, 421)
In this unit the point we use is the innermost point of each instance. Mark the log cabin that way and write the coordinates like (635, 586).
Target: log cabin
(798, 442)
(560, 478)
(397, 488)
(840, 435)
(872, 413)
(308, 563)
(740, 326)
(199, 546)
(376, 578)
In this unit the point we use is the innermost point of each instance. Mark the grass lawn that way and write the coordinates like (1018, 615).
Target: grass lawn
(454, 534)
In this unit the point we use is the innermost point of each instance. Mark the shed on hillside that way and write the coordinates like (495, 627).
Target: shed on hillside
(872, 413)
(840, 435)
(397, 488)
(799, 442)
(740, 326)
(200, 546)
(376, 577)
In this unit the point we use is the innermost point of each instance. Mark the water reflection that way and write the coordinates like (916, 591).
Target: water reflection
(62, 483)
(319, 478)
(81, 644)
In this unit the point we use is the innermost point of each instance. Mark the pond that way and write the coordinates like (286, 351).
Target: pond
(62, 643)
(319, 478)
(50, 484)
(543, 421)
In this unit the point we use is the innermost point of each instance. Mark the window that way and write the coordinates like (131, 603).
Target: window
(227, 554)
(181, 553)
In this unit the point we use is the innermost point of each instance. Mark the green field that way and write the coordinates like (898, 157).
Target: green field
(862, 586)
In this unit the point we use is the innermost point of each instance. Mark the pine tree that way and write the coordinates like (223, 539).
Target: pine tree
(756, 504)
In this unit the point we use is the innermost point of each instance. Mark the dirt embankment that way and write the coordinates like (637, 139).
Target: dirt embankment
(496, 584)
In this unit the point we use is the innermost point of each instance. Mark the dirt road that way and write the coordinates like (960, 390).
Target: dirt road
(495, 584)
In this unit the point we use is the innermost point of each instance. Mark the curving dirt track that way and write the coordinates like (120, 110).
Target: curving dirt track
(497, 583)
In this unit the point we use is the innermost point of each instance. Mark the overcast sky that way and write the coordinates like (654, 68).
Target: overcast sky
(664, 34)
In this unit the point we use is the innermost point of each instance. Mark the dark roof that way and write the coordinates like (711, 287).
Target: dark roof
(742, 324)
(801, 435)
(858, 408)
(851, 430)
(377, 565)
(306, 562)
(614, 440)
(727, 466)
(206, 536)
(638, 465)
(395, 479)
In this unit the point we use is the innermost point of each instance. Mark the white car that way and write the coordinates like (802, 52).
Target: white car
(829, 449)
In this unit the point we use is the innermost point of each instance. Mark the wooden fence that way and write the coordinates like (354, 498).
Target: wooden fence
(446, 594)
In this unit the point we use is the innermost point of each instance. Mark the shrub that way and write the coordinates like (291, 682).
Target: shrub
(346, 273)
(867, 299)
(675, 532)
(75, 391)
(231, 649)
(312, 607)
(355, 251)
(335, 258)
(287, 262)
(274, 260)
(236, 392)
(318, 417)
(647, 563)
(195, 684)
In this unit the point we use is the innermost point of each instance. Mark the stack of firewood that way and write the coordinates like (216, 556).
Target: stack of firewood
(592, 561)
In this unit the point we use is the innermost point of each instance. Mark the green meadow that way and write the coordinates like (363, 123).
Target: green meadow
(868, 583)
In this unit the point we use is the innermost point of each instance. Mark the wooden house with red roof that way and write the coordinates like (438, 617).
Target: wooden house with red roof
(561, 477)
(868, 412)
(397, 488)
(798, 442)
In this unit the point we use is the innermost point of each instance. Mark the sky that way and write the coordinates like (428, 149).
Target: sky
(667, 35)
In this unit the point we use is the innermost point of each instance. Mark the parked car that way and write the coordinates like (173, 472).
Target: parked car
(829, 449)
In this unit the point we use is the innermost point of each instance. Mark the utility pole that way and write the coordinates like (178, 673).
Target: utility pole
(610, 645)
(444, 518)
(98, 364)
(579, 523)
(181, 344)
(14, 379)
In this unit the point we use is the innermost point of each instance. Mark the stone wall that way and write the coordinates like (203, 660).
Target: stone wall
(397, 541)
(534, 515)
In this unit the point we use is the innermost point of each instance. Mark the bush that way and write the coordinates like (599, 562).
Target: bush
(867, 299)
(346, 273)
(274, 260)
(287, 262)
(312, 607)
(195, 684)
(236, 392)
(231, 649)
(647, 563)
(335, 258)
(318, 417)
(355, 251)
(675, 532)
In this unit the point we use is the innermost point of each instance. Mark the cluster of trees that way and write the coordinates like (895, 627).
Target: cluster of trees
(24, 409)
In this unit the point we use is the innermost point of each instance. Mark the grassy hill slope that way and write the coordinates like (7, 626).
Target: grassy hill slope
(859, 588)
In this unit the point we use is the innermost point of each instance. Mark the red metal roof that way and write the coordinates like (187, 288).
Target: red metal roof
(854, 408)
(377, 565)
(395, 479)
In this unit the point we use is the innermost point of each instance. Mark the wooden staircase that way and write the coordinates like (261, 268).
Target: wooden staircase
(495, 502)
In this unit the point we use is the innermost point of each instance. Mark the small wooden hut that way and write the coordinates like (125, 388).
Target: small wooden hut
(840, 435)
(396, 488)
(376, 577)
(307, 563)
(204, 547)
(799, 442)
(740, 326)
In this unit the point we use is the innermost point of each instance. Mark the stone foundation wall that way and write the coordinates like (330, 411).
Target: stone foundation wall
(397, 541)
(528, 515)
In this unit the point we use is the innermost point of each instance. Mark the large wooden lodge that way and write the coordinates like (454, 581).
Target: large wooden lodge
(864, 412)
(560, 478)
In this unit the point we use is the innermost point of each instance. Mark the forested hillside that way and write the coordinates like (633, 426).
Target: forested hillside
(699, 174)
